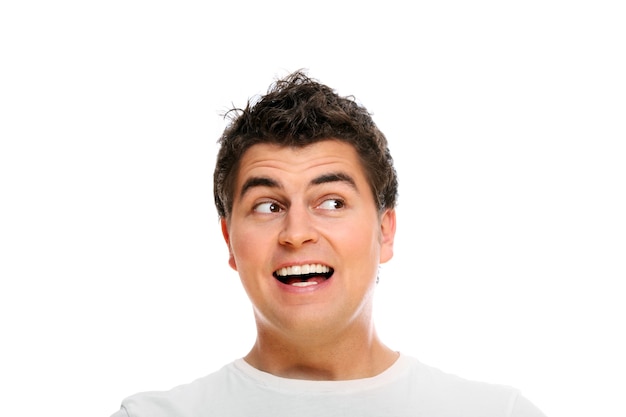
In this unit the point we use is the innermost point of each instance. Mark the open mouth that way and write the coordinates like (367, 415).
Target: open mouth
(304, 275)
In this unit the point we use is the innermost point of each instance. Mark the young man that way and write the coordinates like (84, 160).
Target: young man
(305, 189)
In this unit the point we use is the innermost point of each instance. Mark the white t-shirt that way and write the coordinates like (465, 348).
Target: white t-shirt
(407, 388)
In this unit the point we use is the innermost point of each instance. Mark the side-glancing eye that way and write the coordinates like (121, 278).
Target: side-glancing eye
(332, 204)
(267, 207)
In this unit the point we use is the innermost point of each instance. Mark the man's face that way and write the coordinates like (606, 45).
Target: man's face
(306, 237)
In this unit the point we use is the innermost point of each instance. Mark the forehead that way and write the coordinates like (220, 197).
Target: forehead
(302, 162)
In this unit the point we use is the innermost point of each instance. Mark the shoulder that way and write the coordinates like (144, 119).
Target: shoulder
(186, 400)
(449, 393)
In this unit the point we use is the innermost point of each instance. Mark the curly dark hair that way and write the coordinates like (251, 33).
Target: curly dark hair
(298, 111)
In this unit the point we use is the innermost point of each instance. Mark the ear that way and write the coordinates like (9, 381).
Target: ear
(387, 234)
(231, 258)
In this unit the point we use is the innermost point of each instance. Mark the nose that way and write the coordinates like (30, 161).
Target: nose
(298, 228)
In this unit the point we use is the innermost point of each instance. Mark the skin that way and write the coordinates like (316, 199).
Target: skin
(312, 205)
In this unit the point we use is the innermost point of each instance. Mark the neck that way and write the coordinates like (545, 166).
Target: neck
(354, 354)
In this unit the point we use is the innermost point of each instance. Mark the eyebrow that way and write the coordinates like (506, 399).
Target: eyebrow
(258, 182)
(322, 179)
(334, 177)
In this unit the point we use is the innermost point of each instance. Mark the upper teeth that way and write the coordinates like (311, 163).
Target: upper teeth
(303, 270)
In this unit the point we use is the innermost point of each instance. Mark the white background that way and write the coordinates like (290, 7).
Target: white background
(507, 122)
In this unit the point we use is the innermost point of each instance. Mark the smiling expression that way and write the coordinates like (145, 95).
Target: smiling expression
(305, 235)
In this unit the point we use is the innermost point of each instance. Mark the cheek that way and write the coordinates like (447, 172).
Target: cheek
(248, 247)
(358, 242)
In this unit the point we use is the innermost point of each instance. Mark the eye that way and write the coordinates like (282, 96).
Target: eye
(332, 204)
(267, 207)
